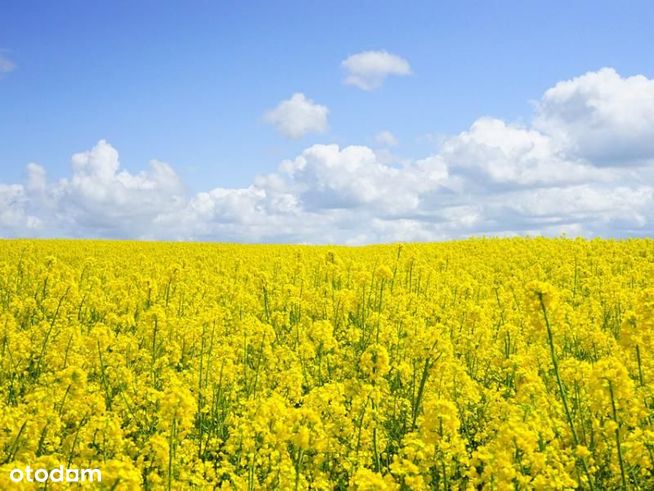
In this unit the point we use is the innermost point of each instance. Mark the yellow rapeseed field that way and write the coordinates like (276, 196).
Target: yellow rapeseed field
(486, 363)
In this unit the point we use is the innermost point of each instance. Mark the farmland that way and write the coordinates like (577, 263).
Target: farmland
(494, 363)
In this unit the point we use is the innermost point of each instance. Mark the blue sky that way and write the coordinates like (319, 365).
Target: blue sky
(190, 83)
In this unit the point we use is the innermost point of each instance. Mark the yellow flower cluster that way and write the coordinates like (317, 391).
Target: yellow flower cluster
(494, 364)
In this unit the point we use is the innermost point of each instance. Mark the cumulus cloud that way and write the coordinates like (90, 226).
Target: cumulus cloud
(601, 117)
(495, 152)
(368, 70)
(13, 203)
(98, 199)
(298, 116)
(6, 65)
(328, 177)
(549, 176)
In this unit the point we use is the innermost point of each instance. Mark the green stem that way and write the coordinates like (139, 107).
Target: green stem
(564, 399)
(171, 453)
(640, 367)
(617, 436)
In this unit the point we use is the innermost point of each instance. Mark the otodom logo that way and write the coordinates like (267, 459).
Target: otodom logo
(58, 474)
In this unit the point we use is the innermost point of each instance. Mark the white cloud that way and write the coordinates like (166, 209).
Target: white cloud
(328, 177)
(495, 178)
(368, 70)
(602, 117)
(12, 206)
(298, 116)
(495, 152)
(97, 199)
(6, 65)
(386, 139)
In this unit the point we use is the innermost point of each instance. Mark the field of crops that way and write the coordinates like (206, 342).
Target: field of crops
(502, 364)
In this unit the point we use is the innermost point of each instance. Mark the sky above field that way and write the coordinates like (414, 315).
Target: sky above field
(313, 122)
